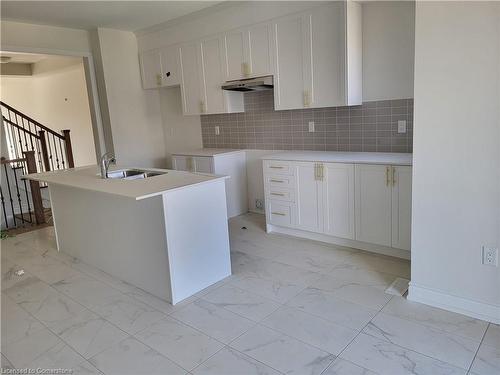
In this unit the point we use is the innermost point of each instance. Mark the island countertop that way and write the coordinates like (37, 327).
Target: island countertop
(88, 178)
(343, 157)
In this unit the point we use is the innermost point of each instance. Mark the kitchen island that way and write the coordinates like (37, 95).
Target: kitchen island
(165, 231)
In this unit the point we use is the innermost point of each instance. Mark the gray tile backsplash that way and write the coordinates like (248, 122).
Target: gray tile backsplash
(372, 126)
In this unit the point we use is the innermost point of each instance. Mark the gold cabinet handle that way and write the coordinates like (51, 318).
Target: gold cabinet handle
(278, 181)
(245, 69)
(276, 167)
(387, 176)
(393, 176)
(202, 106)
(321, 172)
(158, 79)
(278, 194)
(307, 99)
(278, 213)
(315, 171)
(189, 163)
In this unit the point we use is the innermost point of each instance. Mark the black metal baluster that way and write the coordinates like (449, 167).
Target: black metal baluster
(39, 155)
(10, 139)
(28, 198)
(10, 194)
(18, 195)
(55, 150)
(24, 133)
(3, 208)
(50, 152)
(15, 140)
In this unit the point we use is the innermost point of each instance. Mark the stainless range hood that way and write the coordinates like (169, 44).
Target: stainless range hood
(252, 84)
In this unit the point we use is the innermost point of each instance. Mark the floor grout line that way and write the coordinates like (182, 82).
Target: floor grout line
(479, 347)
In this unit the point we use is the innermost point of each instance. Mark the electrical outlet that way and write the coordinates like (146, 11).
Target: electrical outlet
(402, 126)
(311, 126)
(217, 130)
(490, 256)
(259, 204)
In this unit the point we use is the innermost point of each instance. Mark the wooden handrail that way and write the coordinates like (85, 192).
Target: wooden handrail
(20, 127)
(10, 161)
(32, 120)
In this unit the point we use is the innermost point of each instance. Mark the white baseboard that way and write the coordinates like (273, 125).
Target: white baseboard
(436, 298)
(379, 249)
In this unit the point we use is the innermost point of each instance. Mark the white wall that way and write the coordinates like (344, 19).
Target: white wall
(134, 113)
(388, 49)
(56, 96)
(456, 173)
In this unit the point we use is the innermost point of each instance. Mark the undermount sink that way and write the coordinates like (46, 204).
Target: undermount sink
(133, 174)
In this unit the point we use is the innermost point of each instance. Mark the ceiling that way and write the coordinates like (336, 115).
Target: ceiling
(121, 15)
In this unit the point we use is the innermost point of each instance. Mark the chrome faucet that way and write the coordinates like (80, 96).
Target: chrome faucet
(106, 159)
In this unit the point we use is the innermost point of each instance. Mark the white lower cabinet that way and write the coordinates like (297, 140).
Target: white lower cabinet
(232, 164)
(369, 205)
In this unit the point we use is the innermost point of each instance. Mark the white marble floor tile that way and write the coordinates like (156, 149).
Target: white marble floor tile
(310, 260)
(342, 367)
(253, 248)
(18, 251)
(487, 361)
(456, 350)
(127, 313)
(447, 321)
(30, 293)
(242, 302)
(180, 343)
(312, 330)
(277, 290)
(231, 362)
(16, 323)
(326, 305)
(492, 337)
(49, 269)
(381, 263)
(10, 276)
(353, 291)
(59, 356)
(85, 368)
(86, 290)
(282, 352)
(23, 352)
(214, 321)
(389, 359)
(5, 363)
(375, 279)
(87, 333)
(131, 357)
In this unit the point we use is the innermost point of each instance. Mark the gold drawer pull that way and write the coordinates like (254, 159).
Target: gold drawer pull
(278, 213)
(278, 194)
(279, 181)
(275, 167)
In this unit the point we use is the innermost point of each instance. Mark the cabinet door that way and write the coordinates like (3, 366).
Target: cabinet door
(180, 163)
(170, 66)
(211, 61)
(373, 204)
(338, 199)
(259, 50)
(308, 197)
(203, 164)
(235, 56)
(151, 69)
(401, 207)
(289, 40)
(189, 56)
(325, 52)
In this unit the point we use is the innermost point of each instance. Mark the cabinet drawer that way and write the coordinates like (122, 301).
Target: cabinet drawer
(281, 213)
(278, 167)
(280, 181)
(281, 194)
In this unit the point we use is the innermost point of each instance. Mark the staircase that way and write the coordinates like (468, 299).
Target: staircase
(31, 148)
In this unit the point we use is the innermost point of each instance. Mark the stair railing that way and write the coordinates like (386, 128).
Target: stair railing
(53, 151)
(18, 202)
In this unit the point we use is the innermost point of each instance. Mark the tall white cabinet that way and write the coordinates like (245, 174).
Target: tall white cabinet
(362, 205)
(230, 163)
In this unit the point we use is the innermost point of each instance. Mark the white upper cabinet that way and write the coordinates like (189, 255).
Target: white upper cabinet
(317, 57)
(151, 69)
(211, 57)
(191, 79)
(247, 52)
(160, 67)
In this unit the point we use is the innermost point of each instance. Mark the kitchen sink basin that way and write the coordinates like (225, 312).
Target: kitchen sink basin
(133, 174)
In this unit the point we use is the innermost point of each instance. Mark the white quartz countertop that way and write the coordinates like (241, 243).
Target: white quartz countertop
(343, 157)
(208, 152)
(88, 178)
